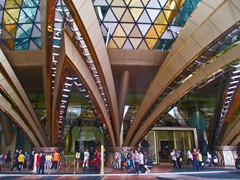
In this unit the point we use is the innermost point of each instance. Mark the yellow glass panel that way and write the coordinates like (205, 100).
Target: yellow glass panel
(118, 12)
(170, 15)
(136, 12)
(127, 27)
(13, 4)
(118, 3)
(160, 29)
(160, 19)
(135, 32)
(145, 2)
(127, 17)
(11, 29)
(10, 44)
(119, 41)
(11, 16)
(180, 3)
(112, 44)
(14, 13)
(152, 33)
(171, 5)
(151, 42)
(119, 31)
(135, 42)
(136, 3)
(143, 45)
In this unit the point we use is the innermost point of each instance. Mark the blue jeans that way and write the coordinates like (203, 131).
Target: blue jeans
(195, 165)
(137, 167)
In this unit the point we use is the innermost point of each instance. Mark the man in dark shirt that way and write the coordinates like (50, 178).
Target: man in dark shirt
(15, 161)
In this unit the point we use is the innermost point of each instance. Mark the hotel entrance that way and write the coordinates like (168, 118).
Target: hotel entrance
(163, 140)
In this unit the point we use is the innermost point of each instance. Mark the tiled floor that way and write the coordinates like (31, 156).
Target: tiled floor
(162, 171)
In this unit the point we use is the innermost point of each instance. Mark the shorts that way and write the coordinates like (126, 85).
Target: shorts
(48, 163)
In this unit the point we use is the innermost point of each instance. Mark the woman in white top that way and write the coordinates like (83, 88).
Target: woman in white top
(174, 158)
(141, 160)
(48, 162)
(86, 158)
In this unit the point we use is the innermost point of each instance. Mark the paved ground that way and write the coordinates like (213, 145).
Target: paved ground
(158, 172)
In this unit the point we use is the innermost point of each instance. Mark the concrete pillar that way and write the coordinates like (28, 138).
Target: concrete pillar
(122, 99)
(7, 129)
(123, 92)
(189, 138)
(174, 140)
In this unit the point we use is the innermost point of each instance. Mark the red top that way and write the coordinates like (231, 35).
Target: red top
(195, 155)
(96, 156)
(38, 160)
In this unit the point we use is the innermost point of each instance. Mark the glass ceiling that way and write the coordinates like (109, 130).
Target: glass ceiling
(20, 27)
(142, 24)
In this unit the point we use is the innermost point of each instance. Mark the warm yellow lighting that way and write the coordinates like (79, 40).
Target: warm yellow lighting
(50, 29)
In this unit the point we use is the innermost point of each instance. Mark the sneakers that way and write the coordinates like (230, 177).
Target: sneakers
(149, 171)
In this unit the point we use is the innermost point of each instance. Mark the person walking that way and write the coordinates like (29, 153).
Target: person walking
(1, 161)
(136, 161)
(145, 158)
(174, 158)
(180, 159)
(48, 162)
(141, 160)
(20, 161)
(177, 154)
(131, 159)
(189, 157)
(209, 159)
(38, 158)
(7, 160)
(56, 159)
(85, 159)
(195, 160)
(31, 161)
(25, 160)
(15, 161)
(96, 160)
(42, 163)
(200, 159)
(123, 159)
(215, 161)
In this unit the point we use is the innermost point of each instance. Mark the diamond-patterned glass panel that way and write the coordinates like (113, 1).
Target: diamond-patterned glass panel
(142, 24)
(20, 24)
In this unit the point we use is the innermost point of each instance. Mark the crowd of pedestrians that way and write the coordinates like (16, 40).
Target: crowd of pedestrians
(132, 161)
(19, 161)
(22, 160)
(194, 158)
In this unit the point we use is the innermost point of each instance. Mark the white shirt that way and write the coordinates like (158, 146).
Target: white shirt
(174, 158)
(189, 155)
(141, 161)
(86, 154)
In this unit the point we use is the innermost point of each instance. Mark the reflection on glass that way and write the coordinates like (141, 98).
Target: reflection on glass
(151, 42)
(19, 17)
(144, 14)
